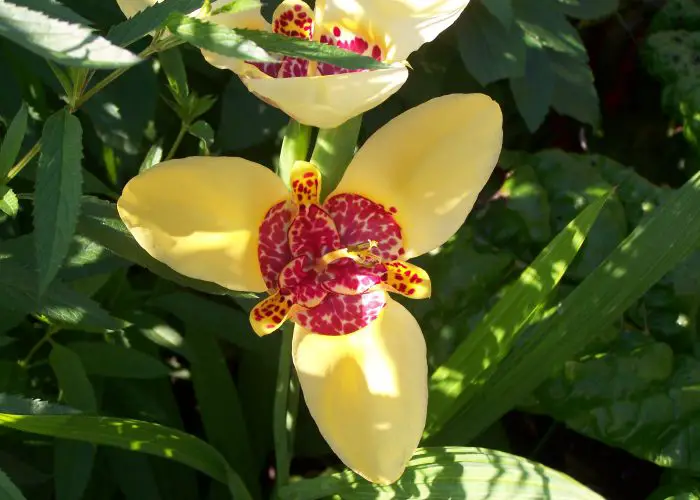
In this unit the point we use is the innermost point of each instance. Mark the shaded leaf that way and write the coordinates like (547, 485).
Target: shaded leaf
(58, 190)
(12, 142)
(588, 9)
(8, 489)
(72, 379)
(110, 360)
(73, 464)
(534, 90)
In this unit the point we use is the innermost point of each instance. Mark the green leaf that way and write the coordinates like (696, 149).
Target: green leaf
(574, 93)
(209, 316)
(545, 26)
(526, 196)
(18, 405)
(588, 9)
(134, 435)
(73, 465)
(9, 203)
(72, 379)
(453, 472)
(110, 360)
(148, 20)
(134, 475)
(174, 68)
(649, 398)
(153, 157)
(218, 402)
(490, 51)
(246, 121)
(534, 90)
(477, 358)
(251, 45)
(601, 299)
(59, 303)
(12, 142)
(8, 490)
(502, 10)
(202, 131)
(58, 190)
(100, 223)
(65, 42)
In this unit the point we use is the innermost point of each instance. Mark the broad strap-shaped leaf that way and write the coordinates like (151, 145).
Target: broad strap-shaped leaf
(478, 356)
(658, 244)
(59, 303)
(111, 360)
(452, 472)
(8, 490)
(12, 142)
(252, 45)
(148, 20)
(62, 41)
(100, 223)
(58, 190)
(128, 434)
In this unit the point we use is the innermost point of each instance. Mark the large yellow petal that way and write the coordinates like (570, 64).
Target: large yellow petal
(200, 216)
(367, 391)
(430, 163)
(402, 25)
(329, 101)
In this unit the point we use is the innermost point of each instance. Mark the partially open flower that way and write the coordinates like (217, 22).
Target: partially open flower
(324, 95)
(327, 267)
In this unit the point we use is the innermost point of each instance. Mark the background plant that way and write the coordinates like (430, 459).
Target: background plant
(157, 386)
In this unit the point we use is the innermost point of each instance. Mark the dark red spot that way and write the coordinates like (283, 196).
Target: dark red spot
(336, 31)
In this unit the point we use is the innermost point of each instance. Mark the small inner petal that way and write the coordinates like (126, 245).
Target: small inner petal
(347, 277)
(312, 233)
(346, 39)
(358, 220)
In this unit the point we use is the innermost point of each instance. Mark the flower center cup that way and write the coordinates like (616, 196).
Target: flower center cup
(296, 19)
(328, 267)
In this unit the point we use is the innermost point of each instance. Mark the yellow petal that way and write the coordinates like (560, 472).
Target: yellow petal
(247, 19)
(131, 7)
(401, 25)
(367, 391)
(329, 101)
(430, 163)
(201, 216)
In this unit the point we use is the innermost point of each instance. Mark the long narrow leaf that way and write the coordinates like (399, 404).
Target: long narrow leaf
(655, 247)
(434, 473)
(251, 45)
(65, 42)
(12, 142)
(134, 435)
(474, 361)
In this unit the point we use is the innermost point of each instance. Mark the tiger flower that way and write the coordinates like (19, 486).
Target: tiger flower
(321, 94)
(328, 266)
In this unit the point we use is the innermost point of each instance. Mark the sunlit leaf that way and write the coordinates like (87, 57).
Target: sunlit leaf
(62, 41)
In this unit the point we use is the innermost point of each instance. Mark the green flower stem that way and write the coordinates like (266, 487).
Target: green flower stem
(180, 135)
(285, 407)
(50, 332)
(22, 163)
(295, 146)
(334, 149)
